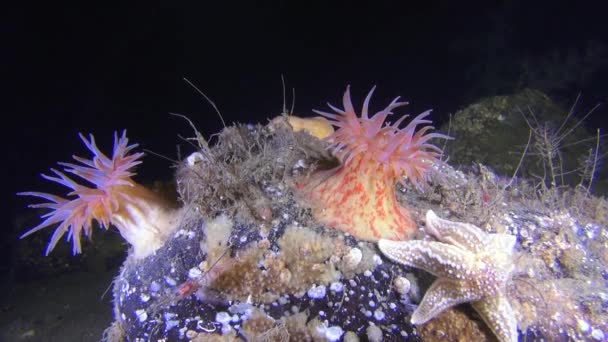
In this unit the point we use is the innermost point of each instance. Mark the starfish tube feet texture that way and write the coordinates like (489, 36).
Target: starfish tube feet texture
(470, 265)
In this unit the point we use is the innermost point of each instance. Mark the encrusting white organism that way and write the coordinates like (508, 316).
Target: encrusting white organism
(470, 265)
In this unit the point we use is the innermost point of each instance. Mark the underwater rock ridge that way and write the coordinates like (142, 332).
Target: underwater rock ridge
(324, 229)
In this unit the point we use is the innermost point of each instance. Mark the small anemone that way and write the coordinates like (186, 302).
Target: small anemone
(112, 199)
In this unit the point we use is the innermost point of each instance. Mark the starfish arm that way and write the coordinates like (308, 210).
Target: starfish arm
(471, 266)
(498, 315)
(443, 294)
(440, 259)
(463, 235)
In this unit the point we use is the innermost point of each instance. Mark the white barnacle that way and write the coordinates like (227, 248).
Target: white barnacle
(194, 159)
(352, 259)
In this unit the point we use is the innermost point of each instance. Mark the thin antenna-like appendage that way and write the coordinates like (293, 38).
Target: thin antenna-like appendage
(208, 100)
(189, 141)
(561, 167)
(224, 253)
(579, 122)
(284, 112)
(535, 130)
(533, 117)
(107, 290)
(185, 118)
(521, 160)
(597, 149)
(293, 100)
(445, 142)
(161, 156)
(570, 113)
(202, 142)
(583, 141)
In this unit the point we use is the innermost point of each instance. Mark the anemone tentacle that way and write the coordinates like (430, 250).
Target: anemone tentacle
(359, 196)
(111, 198)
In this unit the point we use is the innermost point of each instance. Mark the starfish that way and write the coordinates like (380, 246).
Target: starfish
(470, 265)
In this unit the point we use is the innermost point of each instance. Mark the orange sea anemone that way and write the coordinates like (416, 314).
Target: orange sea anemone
(115, 199)
(359, 196)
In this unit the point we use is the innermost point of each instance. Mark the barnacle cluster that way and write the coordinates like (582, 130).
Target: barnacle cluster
(306, 260)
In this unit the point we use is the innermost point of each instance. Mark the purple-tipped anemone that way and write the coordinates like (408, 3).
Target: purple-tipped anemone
(113, 198)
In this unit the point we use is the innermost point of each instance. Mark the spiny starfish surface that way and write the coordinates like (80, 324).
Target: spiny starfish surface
(470, 265)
